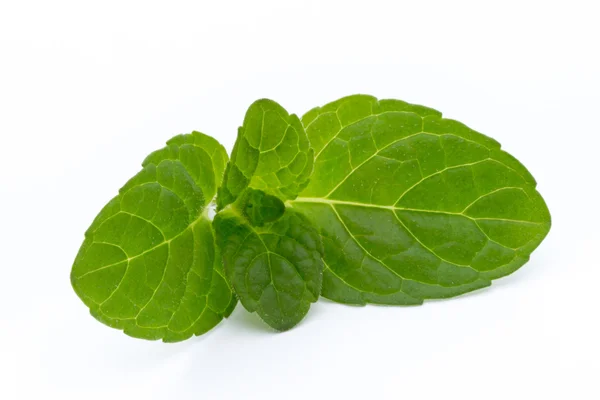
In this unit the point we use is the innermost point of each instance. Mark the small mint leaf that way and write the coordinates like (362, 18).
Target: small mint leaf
(261, 208)
(272, 154)
(275, 269)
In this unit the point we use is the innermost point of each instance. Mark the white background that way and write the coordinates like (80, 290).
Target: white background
(87, 89)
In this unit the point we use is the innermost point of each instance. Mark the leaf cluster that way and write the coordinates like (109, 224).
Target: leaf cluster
(360, 201)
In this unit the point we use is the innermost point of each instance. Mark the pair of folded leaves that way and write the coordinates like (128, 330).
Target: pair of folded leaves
(361, 201)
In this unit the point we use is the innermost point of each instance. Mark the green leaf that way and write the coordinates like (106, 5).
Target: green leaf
(276, 269)
(261, 208)
(413, 206)
(272, 256)
(272, 154)
(149, 264)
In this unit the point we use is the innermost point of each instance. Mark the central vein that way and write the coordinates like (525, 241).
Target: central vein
(321, 200)
(353, 203)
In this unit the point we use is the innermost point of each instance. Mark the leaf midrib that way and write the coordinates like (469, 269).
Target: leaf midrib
(322, 200)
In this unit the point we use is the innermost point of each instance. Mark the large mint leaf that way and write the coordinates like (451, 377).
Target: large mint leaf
(149, 264)
(272, 154)
(413, 206)
(276, 269)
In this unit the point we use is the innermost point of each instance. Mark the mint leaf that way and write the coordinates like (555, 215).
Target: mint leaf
(261, 208)
(272, 256)
(149, 264)
(276, 269)
(413, 206)
(272, 153)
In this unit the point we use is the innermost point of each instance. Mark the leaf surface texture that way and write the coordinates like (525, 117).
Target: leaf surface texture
(276, 269)
(271, 153)
(412, 206)
(149, 264)
(272, 255)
